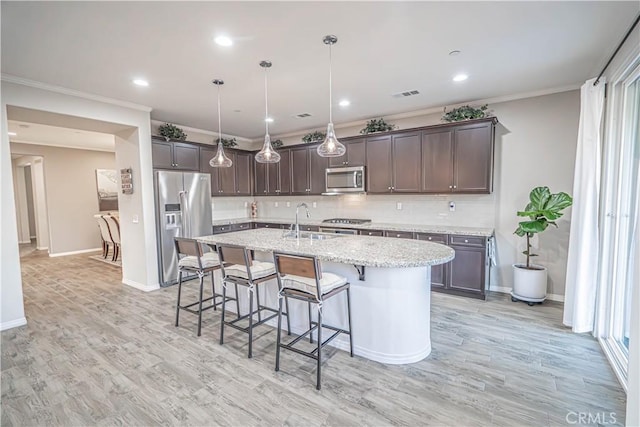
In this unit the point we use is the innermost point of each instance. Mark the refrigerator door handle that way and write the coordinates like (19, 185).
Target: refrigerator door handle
(185, 214)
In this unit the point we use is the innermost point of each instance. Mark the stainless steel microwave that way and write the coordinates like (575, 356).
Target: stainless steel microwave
(345, 180)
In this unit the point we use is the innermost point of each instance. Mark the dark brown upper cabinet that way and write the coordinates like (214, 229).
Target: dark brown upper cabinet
(233, 181)
(307, 171)
(379, 169)
(406, 163)
(174, 155)
(273, 179)
(458, 159)
(243, 173)
(355, 155)
(393, 163)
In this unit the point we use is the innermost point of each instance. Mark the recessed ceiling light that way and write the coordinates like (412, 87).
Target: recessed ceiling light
(268, 120)
(454, 53)
(12, 134)
(223, 41)
(460, 77)
(141, 82)
(344, 103)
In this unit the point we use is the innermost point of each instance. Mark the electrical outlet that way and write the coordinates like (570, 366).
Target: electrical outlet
(275, 204)
(246, 204)
(314, 204)
(288, 204)
(452, 206)
(399, 206)
(136, 219)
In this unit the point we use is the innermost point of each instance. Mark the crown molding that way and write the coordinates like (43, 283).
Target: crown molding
(201, 131)
(433, 110)
(56, 145)
(66, 91)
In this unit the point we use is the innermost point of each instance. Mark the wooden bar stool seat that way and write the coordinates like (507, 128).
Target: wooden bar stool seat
(302, 278)
(193, 260)
(240, 269)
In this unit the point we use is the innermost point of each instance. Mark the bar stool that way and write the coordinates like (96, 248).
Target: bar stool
(239, 268)
(192, 259)
(301, 278)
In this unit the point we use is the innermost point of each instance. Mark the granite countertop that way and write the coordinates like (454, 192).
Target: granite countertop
(369, 251)
(418, 228)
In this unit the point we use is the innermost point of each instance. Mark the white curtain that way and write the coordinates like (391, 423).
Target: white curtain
(582, 263)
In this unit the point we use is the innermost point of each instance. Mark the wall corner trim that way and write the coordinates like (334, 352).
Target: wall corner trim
(140, 286)
(83, 251)
(507, 290)
(13, 324)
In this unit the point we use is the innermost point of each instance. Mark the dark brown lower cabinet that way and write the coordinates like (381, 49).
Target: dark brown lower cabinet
(438, 272)
(468, 273)
(220, 229)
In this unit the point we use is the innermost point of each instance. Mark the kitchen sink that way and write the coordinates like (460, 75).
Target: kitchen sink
(311, 236)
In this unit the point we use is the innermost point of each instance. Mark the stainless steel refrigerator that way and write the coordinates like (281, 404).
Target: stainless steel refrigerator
(183, 209)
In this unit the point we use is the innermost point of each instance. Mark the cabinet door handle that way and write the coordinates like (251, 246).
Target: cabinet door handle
(466, 241)
(455, 186)
(176, 165)
(388, 188)
(451, 186)
(430, 238)
(397, 235)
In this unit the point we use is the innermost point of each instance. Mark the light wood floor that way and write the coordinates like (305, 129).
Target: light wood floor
(96, 352)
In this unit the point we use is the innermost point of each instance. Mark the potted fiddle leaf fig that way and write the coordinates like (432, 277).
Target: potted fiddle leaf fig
(543, 209)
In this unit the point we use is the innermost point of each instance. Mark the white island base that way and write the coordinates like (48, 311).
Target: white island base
(390, 311)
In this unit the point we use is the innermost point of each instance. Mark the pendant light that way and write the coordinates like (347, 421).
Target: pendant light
(331, 147)
(220, 160)
(267, 154)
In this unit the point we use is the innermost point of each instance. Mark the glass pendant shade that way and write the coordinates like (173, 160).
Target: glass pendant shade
(268, 154)
(220, 160)
(330, 147)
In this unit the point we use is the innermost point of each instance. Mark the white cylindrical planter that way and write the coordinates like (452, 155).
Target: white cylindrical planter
(529, 284)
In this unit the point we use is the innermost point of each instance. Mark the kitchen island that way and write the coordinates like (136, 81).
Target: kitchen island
(390, 287)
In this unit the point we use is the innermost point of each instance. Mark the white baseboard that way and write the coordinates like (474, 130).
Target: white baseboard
(13, 324)
(43, 248)
(506, 290)
(83, 251)
(22, 242)
(140, 286)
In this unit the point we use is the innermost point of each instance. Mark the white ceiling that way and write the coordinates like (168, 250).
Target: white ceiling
(34, 133)
(383, 48)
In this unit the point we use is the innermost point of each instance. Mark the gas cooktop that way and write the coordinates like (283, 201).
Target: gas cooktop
(346, 221)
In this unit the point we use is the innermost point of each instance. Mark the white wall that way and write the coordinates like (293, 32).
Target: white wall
(139, 253)
(22, 211)
(535, 145)
(71, 194)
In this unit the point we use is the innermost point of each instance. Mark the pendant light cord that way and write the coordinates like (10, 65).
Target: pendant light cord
(219, 122)
(330, 89)
(266, 107)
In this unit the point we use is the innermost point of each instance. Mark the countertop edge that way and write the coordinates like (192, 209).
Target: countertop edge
(415, 228)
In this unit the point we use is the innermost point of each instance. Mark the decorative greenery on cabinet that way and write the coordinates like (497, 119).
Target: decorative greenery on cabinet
(377, 125)
(315, 136)
(277, 143)
(464, 113)
(169, 131)
(227, 142)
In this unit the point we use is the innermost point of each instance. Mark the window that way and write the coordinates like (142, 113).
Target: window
(621, 208)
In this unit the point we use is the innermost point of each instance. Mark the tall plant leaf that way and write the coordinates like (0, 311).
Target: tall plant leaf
(534, 226)
(558, 202)
(539, 197)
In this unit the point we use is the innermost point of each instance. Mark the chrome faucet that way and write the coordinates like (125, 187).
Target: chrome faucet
(297, 231)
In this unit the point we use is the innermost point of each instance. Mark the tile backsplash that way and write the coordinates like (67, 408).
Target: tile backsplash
(470, 210)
